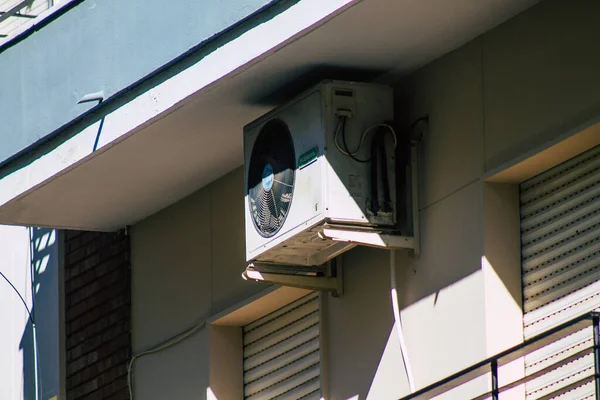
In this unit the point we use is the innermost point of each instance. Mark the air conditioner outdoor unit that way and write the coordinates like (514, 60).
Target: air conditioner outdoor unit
(320, 175)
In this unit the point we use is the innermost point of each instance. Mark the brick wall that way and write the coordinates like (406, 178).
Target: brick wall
(97, 314)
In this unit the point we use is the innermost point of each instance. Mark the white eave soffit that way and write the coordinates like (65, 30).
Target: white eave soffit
(186, 131)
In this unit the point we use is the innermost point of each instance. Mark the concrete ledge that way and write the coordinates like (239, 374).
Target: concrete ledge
(258, 306)
(546, 157)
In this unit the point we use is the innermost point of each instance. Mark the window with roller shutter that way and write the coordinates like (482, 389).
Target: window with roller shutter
(282, 354)
(560, 247)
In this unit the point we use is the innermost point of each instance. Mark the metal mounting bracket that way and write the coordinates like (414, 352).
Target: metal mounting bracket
(380, 239)
(329, 280)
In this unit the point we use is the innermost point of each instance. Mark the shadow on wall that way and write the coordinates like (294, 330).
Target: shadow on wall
(471, 219)
(360, 326)
(44, 282)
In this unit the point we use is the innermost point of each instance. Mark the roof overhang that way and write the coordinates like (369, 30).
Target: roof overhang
(185, 132)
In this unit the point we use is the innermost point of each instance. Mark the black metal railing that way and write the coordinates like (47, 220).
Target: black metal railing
(491, 365)
(20, 12)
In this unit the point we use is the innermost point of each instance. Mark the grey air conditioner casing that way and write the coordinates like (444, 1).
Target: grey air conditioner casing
(328, 186)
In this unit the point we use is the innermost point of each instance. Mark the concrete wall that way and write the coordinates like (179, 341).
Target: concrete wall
(98, 45)
(508, 93)
(539, 77)
(187, 262)
(18, 247)
(498, 98)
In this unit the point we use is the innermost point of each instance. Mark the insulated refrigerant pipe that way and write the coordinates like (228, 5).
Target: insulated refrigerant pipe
(398, 322)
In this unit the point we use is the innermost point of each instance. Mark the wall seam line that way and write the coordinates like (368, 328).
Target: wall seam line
(211, 240)
(449, 194)
(483, 116)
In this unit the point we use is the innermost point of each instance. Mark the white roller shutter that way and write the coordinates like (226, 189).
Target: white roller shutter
(281, 353)
(560, 243)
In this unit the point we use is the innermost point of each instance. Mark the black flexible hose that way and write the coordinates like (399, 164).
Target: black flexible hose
(387, 200)
(374, 188)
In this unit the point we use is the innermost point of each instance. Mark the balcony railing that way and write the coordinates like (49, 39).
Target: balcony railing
(587, 376)
(14, 14)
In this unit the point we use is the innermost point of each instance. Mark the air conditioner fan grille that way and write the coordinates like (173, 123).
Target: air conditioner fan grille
(271, 175)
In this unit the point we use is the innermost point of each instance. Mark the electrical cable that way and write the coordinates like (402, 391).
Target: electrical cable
(172, 341)
(362, 139)
(348, 153)
(377, 151)
(387, 126)
(413, 124)
(335, 138)
(18, 294)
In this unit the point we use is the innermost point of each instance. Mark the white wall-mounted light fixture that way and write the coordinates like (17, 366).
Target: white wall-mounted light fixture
(96, 96)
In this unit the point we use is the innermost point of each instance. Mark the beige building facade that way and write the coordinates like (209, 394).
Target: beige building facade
(511, 90)
(512, 103)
